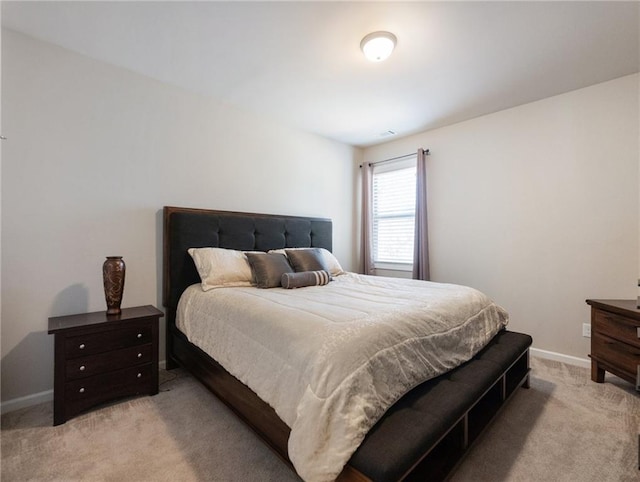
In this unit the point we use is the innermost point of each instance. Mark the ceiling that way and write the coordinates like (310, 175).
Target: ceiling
(300, 62)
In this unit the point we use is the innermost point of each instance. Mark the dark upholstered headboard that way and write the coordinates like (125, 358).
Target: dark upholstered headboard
(186, 228)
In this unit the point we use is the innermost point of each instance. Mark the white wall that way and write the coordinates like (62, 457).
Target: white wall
(94, 152)
(538, 207)
(1, 149)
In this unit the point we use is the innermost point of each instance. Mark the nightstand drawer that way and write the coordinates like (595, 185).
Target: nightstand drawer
(105, 362)
(89, 344)
(87, 392)
(616, 326)
(620, 355)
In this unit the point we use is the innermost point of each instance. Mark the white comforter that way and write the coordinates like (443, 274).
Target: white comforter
(332, 359)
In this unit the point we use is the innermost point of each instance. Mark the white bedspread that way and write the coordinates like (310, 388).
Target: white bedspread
(332, 359)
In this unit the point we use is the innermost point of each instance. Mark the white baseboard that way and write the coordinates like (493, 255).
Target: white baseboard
(568, 359)
(28, 401)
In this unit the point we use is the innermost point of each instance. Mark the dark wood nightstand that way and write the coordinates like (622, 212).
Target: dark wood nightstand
(100, 357)
(615, 340)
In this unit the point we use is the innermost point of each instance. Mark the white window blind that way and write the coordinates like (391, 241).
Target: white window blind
(394, 204)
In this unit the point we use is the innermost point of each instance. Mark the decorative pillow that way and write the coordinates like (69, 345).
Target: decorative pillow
(335, 269)
(220, 267)
(305, 278)
(332, 262)
(306, 260)
(268, 268)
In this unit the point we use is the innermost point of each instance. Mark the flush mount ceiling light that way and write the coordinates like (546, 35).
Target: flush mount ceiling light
(377, 46)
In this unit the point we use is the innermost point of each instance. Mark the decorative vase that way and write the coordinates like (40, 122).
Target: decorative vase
(113, 271)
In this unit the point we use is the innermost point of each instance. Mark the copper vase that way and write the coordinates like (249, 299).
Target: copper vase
(113, 271)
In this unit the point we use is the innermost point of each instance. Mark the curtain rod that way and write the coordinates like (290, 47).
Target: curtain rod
(426, 153)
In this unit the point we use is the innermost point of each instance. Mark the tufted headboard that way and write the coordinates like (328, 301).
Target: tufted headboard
(186, 228)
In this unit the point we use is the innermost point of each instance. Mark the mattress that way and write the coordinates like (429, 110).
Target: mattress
(332, 359)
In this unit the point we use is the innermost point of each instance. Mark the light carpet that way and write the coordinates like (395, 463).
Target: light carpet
(564, 428)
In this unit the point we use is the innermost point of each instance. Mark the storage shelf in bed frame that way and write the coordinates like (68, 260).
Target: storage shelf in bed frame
(441, 459)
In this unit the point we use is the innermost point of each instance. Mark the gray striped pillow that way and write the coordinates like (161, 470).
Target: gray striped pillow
(305, 278)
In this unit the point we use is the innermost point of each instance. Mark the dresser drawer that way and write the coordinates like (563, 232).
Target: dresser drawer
(104, 362)
(87, 392)
(89, 344)
(616, 326)
(620, 355)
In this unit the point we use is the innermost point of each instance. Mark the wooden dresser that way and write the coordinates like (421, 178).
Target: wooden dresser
(100, 357)
(615, 340)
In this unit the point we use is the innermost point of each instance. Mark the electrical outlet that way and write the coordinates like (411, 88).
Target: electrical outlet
(586, 330)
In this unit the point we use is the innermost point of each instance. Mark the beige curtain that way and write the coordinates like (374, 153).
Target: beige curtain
(367, 228)
(421, 240)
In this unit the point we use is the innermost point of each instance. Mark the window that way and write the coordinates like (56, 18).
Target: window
(394, 204)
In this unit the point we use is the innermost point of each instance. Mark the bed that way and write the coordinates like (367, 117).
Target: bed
(422, 436)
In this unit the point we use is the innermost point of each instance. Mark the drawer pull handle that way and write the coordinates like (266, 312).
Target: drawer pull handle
(139, 355)
(139, 335)
(81, 346)
(638, 328)
(82, 368)
(81, 390)
(139, 375)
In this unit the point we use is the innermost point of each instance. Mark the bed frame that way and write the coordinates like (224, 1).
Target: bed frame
(422, 437)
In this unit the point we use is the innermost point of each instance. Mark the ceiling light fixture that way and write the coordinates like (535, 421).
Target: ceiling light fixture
(377, 46)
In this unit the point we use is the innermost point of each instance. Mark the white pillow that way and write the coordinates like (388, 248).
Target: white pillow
(329, 259)
(220, 267)
(332, 262)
